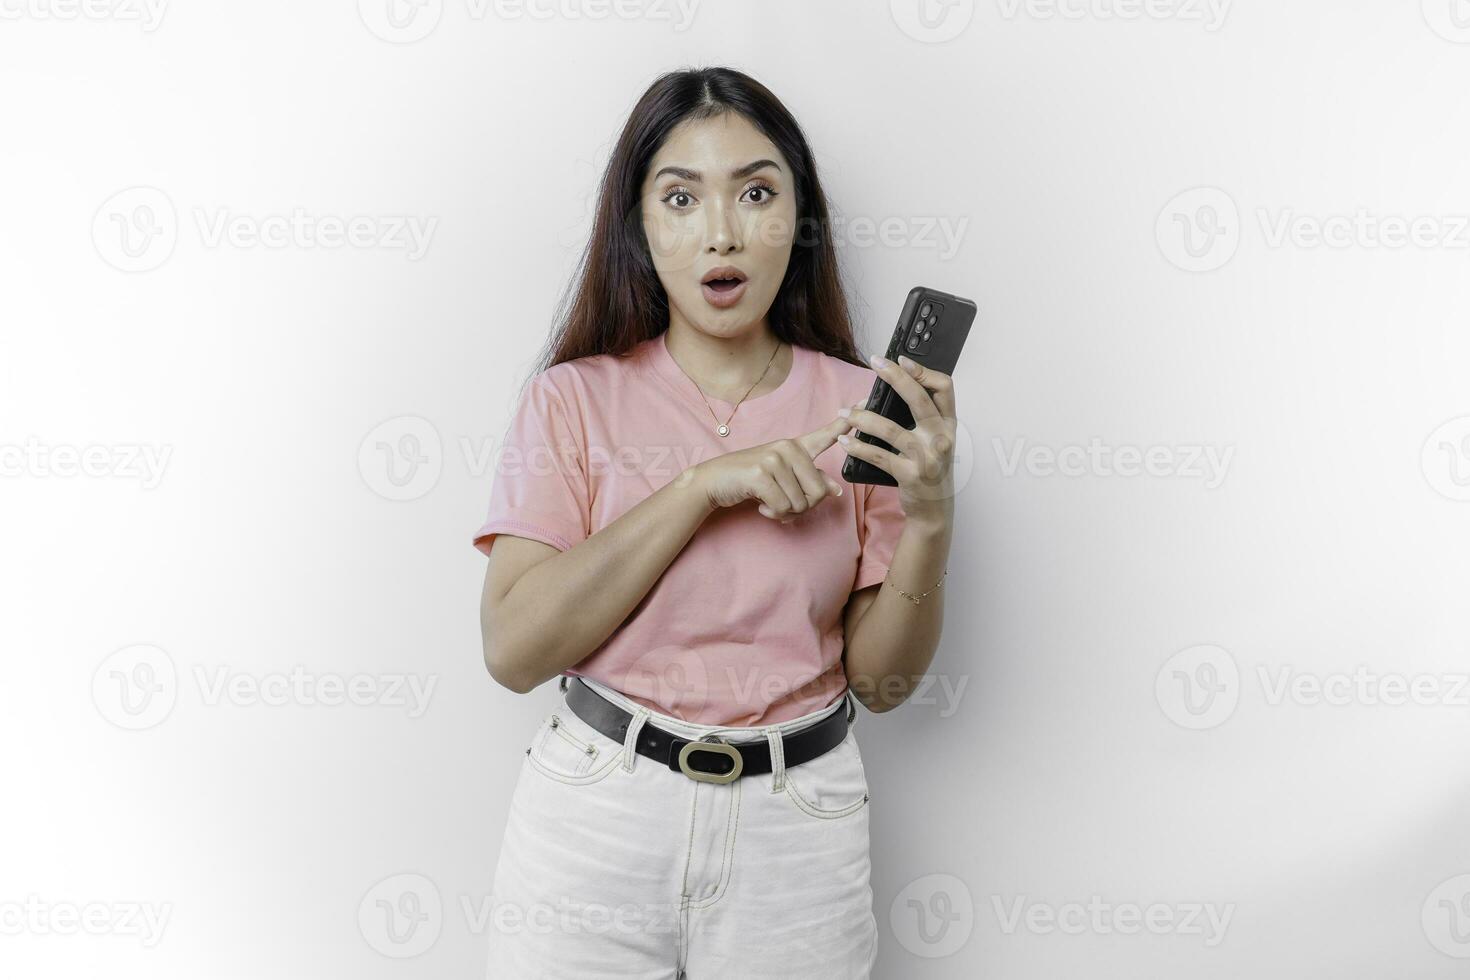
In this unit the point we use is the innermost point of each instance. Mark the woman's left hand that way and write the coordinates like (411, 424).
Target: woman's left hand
(924, 462)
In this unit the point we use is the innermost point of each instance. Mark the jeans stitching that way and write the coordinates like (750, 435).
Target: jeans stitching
(726, 864)
(689, 849)
(684, 884)
(582, 779)
(815, 811)
(778, 759)
(808, 807)
(588, 750)
(630, 740)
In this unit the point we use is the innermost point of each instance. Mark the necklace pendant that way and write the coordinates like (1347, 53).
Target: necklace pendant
(723, 430)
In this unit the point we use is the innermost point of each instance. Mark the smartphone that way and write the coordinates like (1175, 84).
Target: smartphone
(931, 330)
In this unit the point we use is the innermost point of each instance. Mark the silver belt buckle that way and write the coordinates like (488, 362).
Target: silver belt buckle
(719, 747)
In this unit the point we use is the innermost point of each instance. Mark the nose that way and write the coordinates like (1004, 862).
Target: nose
(725, 233)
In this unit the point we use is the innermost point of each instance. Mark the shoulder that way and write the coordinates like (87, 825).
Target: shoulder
(583, 379)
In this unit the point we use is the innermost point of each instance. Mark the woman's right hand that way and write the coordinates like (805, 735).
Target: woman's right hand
(782, 475)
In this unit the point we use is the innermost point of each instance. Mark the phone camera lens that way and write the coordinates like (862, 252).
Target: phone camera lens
(924, 310)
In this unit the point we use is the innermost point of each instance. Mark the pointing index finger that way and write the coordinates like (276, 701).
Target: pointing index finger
(820, 440)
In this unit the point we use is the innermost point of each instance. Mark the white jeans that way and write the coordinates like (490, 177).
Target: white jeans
(614, 865)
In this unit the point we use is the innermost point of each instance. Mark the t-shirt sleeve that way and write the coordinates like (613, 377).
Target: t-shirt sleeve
(540, 490)
(882, 524)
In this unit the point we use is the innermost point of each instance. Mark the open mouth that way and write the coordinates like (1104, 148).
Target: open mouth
(723, 286)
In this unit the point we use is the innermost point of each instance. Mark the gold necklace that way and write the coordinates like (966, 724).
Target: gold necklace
(723, 428)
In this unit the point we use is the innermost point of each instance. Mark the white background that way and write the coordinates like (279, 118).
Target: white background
(1116, 642)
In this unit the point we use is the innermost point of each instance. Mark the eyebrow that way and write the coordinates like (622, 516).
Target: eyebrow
(739, 173)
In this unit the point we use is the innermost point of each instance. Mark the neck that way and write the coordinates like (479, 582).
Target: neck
(724, 367)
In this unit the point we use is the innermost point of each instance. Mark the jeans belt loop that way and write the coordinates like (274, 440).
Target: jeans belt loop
(778, 761)
(630, 741)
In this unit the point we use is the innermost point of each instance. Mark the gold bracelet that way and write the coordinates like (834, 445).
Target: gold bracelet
(915, 598)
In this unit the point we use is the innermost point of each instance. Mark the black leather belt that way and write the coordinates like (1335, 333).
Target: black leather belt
(711, 760)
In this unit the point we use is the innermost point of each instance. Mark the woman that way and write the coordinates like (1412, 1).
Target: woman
(672, 538)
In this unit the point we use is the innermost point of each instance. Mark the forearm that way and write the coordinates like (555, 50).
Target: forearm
(565, 607)
(894, 642)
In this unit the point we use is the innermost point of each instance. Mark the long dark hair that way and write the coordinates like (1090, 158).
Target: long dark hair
(617, 301)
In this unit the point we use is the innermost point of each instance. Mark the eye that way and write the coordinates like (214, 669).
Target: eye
(677, 191)
(766, 191)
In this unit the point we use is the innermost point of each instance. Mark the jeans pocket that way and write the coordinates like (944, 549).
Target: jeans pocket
(831, 786)
(567, 748)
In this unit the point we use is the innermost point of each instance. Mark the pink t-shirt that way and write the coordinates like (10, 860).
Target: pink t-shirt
(744, 627)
